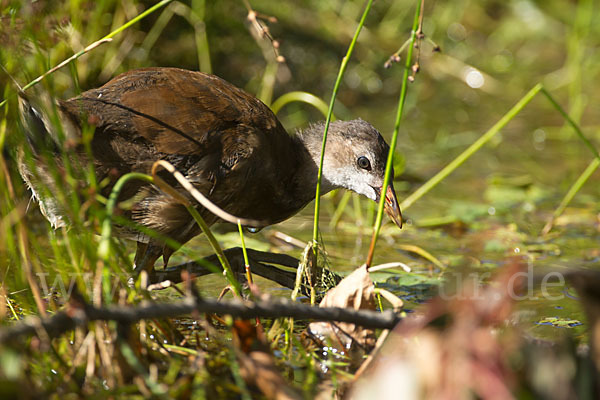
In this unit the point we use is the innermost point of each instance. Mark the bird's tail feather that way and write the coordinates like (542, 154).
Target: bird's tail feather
(37, 127)
(35, 124)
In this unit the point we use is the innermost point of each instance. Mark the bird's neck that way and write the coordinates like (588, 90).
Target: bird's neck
(308, 143)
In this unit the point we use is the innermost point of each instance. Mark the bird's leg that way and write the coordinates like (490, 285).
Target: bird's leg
(146, 255)
(167, 252)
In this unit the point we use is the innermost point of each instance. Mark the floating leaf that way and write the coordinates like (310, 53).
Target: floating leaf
(559, 322)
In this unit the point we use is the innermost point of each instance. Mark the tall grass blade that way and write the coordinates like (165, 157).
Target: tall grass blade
(472, 149)
(303, 97)
(336, 87)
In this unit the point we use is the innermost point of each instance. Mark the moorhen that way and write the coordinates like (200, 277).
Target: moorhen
(229, 144)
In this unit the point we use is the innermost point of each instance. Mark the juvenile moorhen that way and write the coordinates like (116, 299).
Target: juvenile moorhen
(226, 142)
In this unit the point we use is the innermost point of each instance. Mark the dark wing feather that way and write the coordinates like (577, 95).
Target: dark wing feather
(178, 111)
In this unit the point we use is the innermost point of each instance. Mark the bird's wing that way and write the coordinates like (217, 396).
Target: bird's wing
(178, 111)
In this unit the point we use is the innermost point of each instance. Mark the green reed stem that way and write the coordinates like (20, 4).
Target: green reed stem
(336, 87)
(228, 272)
(339, 211)
(581, 180)
(303, 97)
(246, 262)
(571, 122)
(234, 284)
(265, 93)
(105, 239)
(390, 159)
(458, 161)
(194, 15)
(104, 246)
(585, 175)
(464, 156)
(202, 47)
(3, 130)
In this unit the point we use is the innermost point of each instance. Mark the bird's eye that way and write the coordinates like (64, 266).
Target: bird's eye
(363, 162)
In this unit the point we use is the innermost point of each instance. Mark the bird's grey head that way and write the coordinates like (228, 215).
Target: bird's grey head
(355, 158)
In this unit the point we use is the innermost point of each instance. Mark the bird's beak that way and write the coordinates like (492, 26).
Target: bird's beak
(392, 209)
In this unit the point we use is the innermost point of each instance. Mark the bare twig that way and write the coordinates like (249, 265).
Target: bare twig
(67, 320)
(419, 35)
(262, 30)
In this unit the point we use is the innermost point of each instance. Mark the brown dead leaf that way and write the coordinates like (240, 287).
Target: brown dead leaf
(354, 291)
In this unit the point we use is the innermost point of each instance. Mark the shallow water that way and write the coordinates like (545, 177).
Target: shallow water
(472, 251)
